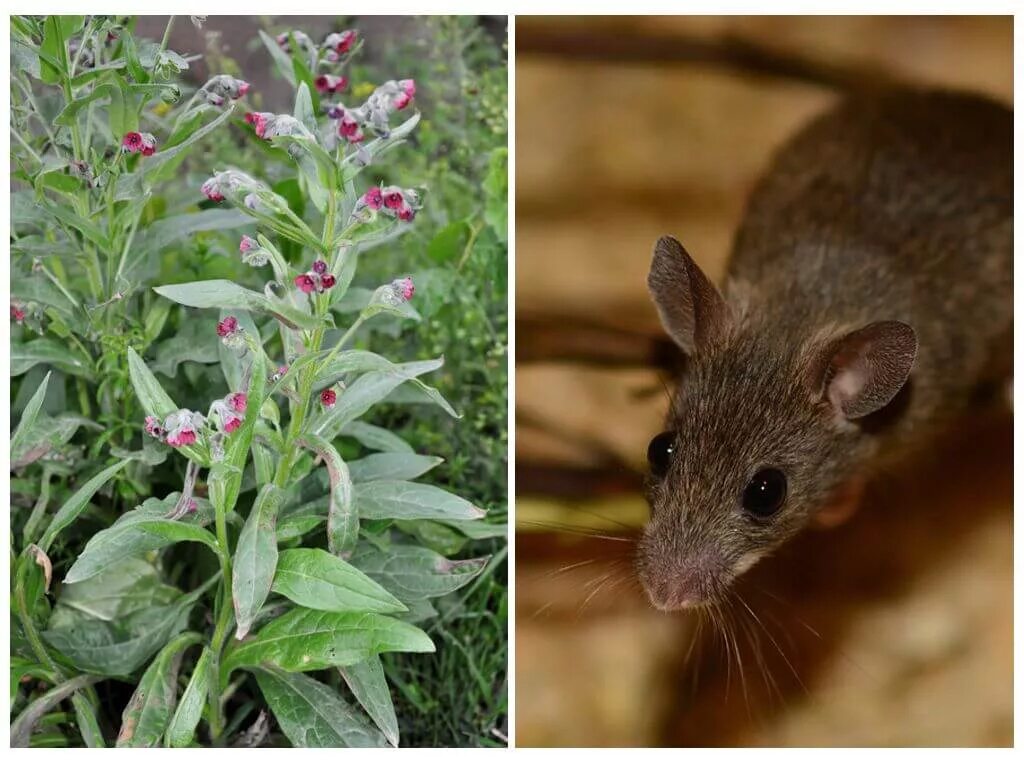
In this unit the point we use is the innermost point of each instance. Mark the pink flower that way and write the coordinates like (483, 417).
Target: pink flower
(356, 137)
(408, 87)
(229, 416)
(132, 142)
(319, 266)
(327, 281)
(328, 398)
(192, 505)
(330, 83)
(403, 287)
(347, 126)
(247, 244)
(238, 401)
(405, 213)
(243, 88)
(17, 313)
(258, 120)
(393, 198)
(212, 191)
(305, 283)
(182, 427)
(373, 198)
(341, 42)
(148, 144)
(154, 428)
(227, 326)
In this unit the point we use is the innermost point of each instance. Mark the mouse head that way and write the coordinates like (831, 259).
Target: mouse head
(761, 433)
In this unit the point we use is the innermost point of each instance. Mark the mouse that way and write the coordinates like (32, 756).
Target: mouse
(868, 301)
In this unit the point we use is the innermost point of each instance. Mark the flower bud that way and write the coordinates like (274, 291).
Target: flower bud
(305, 283)
(331, 83)
(17, 313)
(182, 427)
(320, 266)
(341, 42)
(373, 199)
(227, 326)
(328, 398)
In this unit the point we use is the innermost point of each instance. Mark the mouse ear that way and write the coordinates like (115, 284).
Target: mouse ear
(865, 369)
(692, 310)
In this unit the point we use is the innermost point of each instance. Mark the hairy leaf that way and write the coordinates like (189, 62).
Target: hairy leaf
(73, 507)
(182, 728)
(317, 579)
(313, 715)
(255, 558)
(49, 352)
(416, 573)
(305, 639)
(391, 466)
(217, 294)
(28, 417)
(404, 500)
(145, 718)
(367, 682)
(342, 520)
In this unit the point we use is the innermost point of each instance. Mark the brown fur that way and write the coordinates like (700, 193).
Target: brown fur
(894, 207)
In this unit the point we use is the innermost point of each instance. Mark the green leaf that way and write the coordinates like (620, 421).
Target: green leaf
(116, 592)
(365, 392)
(304, 111)
(145, 718)
(304, 639)
(155, 400)
(49, 352)
(416, 573)
(255, 558)
(231, 364)
(226, 477)
(42, 292)
(317, 579)
(282, 59)
(367, 682)
(217, 294)
(73, 507)
(403, 500)
(342, 521)
(196, 342)
(53, 53)
(182, 728)
(496, 190)
(391, 466)
(118, 648)
(21, 729)
(48, 434)
(375, 438)
(28, 417)
(158, 235)
(312, 715)
(133, 534)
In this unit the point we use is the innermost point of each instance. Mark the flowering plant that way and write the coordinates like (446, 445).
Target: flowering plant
(322, 541)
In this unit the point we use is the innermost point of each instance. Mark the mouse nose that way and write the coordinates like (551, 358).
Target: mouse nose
(675, 591)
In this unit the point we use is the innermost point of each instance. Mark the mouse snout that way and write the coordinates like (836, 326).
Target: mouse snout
(676, 585)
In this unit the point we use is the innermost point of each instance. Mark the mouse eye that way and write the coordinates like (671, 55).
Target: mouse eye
(660, 451)
(765, 493)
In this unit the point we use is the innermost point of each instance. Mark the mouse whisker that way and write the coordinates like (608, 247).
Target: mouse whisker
(778, 648)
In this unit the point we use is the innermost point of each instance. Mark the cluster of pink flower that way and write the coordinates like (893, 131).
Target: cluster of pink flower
(231, 411)
(230, 332)
(374, 113)
(179, 428)
(317, 279)
(391, 201)
(334, 46)
(134, 142)
(268, 125)
(331, 83)
(231, 180)
(221, 88)
(253, 253)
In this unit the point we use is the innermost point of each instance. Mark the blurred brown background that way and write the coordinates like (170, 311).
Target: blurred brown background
(895, 629)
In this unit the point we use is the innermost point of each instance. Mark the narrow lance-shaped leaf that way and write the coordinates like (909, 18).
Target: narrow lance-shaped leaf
(28, 417)
(73, 507)
(367, 682)
(182, 728)
(317, 579)
(217, 294)
(342, 520)
(226, 476)
(417, 573)
(141, 530)
(25, 356)
(304, 639)
(404, 500)
(21, 729)
(312, 715)
(149, 710)
(255, 558)
(155, 400)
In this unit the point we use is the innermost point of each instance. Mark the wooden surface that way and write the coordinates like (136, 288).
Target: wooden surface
(910, 646)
